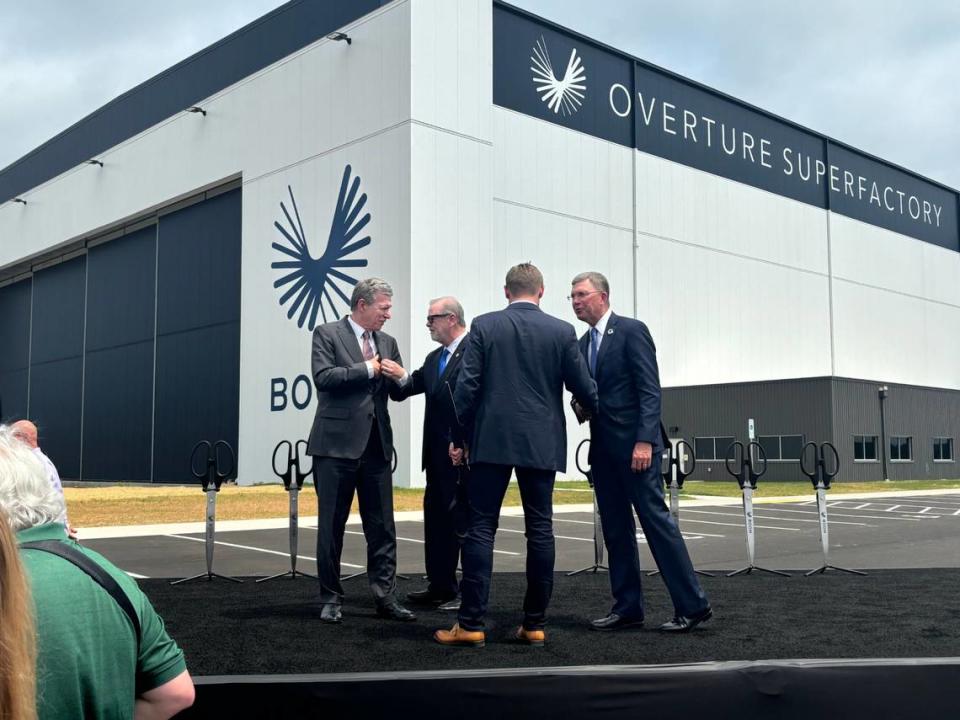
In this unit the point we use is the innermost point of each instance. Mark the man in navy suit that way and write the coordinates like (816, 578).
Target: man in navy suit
(444, 507)
(510, 395)
(626, 439)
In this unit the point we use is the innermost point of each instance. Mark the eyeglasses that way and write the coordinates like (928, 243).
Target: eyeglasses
(432, 318)
(582, 295)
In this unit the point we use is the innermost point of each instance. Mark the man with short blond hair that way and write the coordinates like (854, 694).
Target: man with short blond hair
(510, 393)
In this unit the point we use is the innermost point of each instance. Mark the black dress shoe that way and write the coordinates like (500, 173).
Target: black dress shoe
(429, 598)
(450, 606)
(682, 624)
(616, 622)
(330, 613)
(395, 611)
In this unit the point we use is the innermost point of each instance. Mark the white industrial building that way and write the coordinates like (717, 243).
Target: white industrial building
(761, 254)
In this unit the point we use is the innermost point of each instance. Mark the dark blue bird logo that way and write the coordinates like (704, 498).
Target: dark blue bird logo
(311, 279)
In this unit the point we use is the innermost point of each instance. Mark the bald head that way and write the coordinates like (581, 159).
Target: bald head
(25, 431)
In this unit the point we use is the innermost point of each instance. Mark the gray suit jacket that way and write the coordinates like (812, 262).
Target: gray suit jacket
(347, 401)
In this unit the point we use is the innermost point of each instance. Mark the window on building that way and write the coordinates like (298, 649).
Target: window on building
(865, 448)
(712, 448)
(781, 447)
(901, 448)
(943, 449)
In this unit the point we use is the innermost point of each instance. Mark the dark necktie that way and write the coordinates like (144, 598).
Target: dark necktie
(444, 356)
(367, 346)
(594, 348)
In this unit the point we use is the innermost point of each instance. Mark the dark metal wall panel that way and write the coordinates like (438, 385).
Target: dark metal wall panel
(198, 332)
(55, 402)
(199, 265)
(14, 349)
(118, 391)
(197, 396)
(118, 413)
(56, 371)
(917, 412)
(785, 407)
(58, 310)
(250, 49)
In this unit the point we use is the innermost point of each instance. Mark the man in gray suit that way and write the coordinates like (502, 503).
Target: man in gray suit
(355, 367)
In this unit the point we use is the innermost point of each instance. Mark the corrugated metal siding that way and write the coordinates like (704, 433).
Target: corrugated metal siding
(917, 412)
(783, 407)
(820, 409)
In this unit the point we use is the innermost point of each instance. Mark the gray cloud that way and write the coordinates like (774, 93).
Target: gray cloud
(879, 76)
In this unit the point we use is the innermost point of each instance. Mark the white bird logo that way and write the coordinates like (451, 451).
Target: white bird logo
(562, 96)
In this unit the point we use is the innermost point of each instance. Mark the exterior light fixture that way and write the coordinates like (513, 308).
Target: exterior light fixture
(340, 36)
(20, 200)
(197, 109)
(94, 162)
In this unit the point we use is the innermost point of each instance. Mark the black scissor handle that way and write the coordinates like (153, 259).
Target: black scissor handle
(734, 457)
(680, 453)
(205, 474)
(810, 472)
(301, 474)
(828, 475)
(220, 474)
(757, 463)
(287, 474)
(587, 472)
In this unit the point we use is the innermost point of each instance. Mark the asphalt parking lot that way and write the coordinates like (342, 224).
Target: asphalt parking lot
(920, 530)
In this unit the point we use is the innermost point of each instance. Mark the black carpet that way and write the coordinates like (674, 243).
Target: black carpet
(249, 629)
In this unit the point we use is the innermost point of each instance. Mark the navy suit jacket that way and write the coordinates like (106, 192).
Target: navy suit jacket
(628, 382)
(438, 416)
(510, 389)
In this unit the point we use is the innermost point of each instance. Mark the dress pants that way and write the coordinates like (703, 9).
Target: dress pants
(619, 492)
(336, 480)
(486, 487)
(444, 523)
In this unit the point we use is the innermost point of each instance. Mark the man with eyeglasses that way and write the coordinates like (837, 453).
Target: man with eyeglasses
(444, 508)
(626, 439)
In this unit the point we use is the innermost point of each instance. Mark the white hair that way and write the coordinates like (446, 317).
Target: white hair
(26, 496)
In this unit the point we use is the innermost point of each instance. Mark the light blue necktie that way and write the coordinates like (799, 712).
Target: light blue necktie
(594, 348)
(444, 356)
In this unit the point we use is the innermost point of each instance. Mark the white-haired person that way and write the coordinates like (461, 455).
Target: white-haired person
(99, 654)
(27, 432)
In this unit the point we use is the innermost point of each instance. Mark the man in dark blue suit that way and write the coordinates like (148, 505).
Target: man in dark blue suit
(444, 507)
(626, 439)
(510, 395)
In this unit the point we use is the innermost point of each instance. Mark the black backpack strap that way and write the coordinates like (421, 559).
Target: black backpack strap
(99, 575)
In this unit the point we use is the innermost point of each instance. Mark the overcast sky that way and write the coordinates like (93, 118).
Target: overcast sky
(880, 75)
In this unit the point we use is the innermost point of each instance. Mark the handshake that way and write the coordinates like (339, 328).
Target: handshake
(583, 415)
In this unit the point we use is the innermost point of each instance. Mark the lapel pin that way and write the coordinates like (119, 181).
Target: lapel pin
(610, 331)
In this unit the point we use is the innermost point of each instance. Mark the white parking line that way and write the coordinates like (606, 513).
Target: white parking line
(558, 537)
(739, 525)
(257, 549)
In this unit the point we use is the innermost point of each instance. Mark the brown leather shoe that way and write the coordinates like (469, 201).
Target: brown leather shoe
(530, 637)
(457, 636)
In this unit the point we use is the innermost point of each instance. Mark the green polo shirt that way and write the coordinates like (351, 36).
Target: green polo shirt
(87, 663)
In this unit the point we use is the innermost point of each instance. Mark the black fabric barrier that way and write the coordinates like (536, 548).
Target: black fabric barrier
(784, 689)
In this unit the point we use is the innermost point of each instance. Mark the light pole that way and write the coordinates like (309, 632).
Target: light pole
(882, 392)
